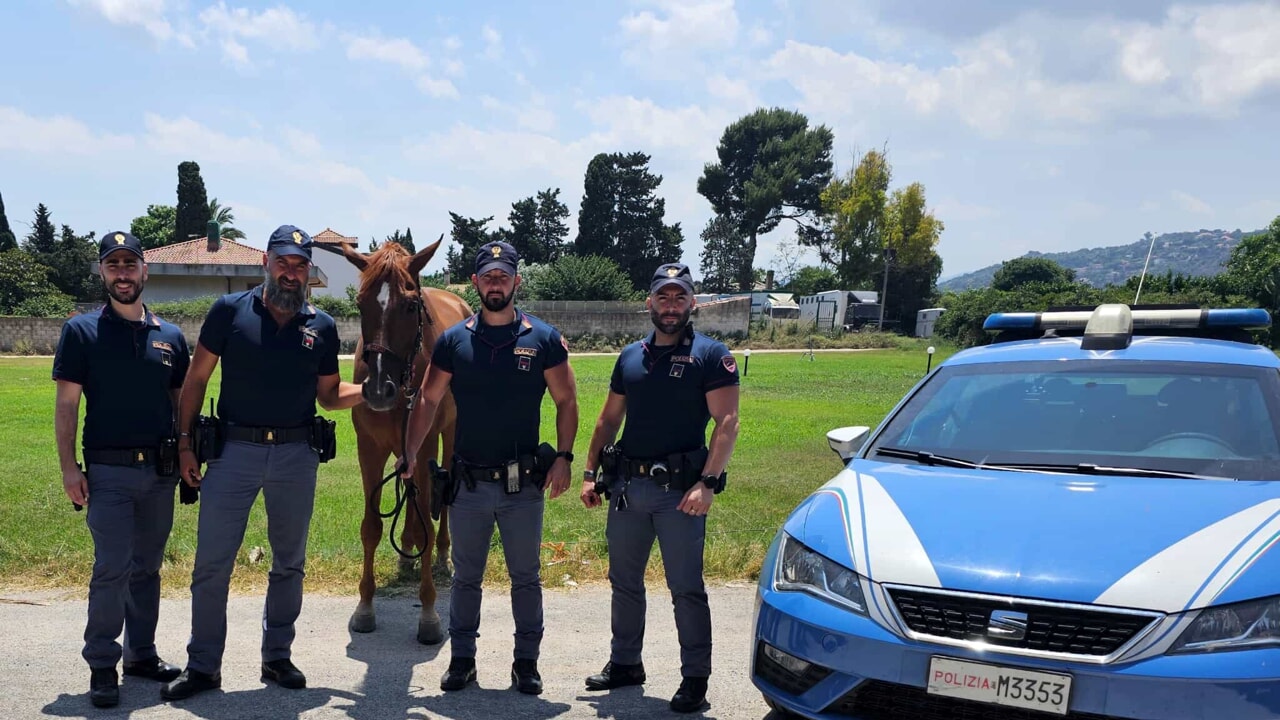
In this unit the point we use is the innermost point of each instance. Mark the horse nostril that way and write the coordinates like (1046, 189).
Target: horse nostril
(388, 389)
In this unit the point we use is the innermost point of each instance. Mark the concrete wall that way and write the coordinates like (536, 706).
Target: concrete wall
(161, 288)
(572, 319)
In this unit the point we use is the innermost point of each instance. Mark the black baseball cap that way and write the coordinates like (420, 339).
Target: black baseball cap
(497, 255)
(118, 240)
(677, 273)
(289, 240)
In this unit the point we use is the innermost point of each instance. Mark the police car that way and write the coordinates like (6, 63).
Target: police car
(1077, 520)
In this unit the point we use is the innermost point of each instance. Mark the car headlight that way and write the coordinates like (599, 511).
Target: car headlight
(800, 569)
(1233, 627)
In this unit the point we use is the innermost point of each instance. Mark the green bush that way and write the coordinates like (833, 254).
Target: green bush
(339, 307)
(51, 304)
(196, 307)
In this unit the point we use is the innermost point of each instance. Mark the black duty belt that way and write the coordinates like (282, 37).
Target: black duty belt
(266, 435)
(486, 473)
(120, 456)
(639, 467)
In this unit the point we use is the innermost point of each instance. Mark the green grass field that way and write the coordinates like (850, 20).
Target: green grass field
(789, 402)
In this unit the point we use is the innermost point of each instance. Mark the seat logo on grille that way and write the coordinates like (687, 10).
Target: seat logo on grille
(1007, 625)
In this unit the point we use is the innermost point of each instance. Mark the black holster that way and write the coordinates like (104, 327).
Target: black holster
(167, 457)
(324, 438)
(206, 439)
(607, 469)
(686, 468)
(444, 488)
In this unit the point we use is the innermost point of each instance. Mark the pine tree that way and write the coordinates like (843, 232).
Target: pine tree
(193, 204)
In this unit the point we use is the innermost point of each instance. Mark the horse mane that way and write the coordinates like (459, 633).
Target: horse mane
(385, 264)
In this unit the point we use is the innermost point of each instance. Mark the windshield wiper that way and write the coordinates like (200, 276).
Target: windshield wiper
(1092, 469)
(927, 458)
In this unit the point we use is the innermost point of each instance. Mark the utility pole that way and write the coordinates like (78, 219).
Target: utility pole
(889, 255)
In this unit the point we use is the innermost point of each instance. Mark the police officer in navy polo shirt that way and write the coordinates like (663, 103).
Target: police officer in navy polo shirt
(279, 356)
(129, 364)
(666, 387)
(499, 363)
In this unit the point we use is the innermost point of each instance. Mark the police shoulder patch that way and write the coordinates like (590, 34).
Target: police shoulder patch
(729, 363)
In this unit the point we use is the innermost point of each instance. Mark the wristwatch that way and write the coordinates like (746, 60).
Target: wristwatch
(566, 454)
(710, 481)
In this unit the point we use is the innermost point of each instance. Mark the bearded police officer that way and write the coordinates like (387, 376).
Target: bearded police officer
(279, 357)
(498, 364)
(663, 479)
(129, 364)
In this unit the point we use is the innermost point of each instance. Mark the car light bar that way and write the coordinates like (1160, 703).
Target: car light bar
(1243, 318)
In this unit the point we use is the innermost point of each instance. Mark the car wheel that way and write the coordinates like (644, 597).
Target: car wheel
(778, 710)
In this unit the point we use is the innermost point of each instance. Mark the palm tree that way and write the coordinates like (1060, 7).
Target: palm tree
(225, 219)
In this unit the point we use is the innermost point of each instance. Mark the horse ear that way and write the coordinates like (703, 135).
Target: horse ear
(423, 256)
(355, 257)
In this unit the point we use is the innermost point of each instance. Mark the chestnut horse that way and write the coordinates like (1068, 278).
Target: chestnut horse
(399, 324)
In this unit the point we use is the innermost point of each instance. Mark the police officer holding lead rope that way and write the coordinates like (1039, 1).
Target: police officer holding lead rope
(661, 479)
(498, 364)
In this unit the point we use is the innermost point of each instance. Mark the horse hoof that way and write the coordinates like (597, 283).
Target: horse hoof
(440, 570)
(362, 621)
(406, 567)
(429, 632)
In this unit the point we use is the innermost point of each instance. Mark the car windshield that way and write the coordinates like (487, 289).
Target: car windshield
(1200, 418)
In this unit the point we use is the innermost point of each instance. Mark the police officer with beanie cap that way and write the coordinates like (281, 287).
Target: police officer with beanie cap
(129, 364)
(666, 387)
(279, 356)
(499, 364)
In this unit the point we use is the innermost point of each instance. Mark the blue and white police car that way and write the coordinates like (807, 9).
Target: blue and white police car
(1077, 520)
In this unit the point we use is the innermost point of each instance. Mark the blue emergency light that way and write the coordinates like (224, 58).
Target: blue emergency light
(1111, 326)
(1147, 319)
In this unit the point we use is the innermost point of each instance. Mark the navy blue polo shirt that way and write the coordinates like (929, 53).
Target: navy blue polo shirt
(127, 370)
(498, 384)
(666, 389)
(269, 372)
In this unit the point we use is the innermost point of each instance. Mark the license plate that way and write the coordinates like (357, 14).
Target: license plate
(1031, 689)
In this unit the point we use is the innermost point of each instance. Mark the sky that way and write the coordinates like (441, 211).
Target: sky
(1033, 125)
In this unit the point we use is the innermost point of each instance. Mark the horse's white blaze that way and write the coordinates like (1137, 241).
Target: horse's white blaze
(384, 294)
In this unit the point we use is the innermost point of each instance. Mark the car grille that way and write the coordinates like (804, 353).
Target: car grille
(876, 700)
(1050, 628)
(783, 679)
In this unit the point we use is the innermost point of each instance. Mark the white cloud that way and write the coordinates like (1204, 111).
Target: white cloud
(533, 115)
(684, 25)
(1046, 75)
(492, 42)
(453, 43)
(396, 51)
(302, 142)
(276, 27)
(55, 135)
(1191, 203)
(146, 14)
(437, 87)
(734, 91)
(954, 210)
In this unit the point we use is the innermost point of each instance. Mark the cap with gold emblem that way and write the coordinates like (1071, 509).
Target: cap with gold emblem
(114, 241)
(672, 273)
(289, 240)
(497, 256)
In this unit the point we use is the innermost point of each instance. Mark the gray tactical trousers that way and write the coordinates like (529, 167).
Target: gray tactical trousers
(651, 513)
(130, 514)
(471, 520)
(286, 475)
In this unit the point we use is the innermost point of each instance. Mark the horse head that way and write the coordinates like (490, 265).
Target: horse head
(394, 322)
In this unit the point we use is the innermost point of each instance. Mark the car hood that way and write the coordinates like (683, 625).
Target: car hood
(1143, 543)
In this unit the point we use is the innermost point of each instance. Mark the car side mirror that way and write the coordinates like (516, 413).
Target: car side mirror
(847, 441)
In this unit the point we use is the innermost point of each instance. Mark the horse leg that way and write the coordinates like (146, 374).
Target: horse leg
(441, 568)
(421, 530)
(372, 460)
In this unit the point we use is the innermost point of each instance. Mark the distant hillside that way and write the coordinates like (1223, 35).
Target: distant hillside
(1203, 252)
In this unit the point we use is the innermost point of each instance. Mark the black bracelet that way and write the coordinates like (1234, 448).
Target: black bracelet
(566, 454)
